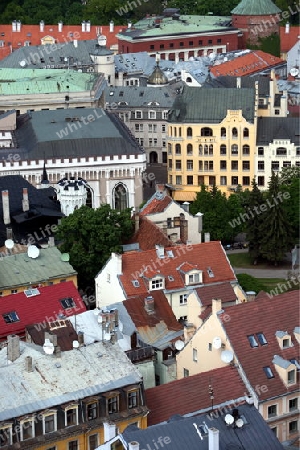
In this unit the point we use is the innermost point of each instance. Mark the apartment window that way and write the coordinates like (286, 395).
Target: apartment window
(281, 151)
(189, 132)
(195, 355)
(151, 47)
(260, 181)
(14, 291)
(211, 180)
(208, 165)
(223, 149)
(150, 142)
(277, 112)
(163, 128)
(139, 127)
(190, 180)
(246, 150)
(200, 150)
(178, 179)
(246, 165)
(141, 141)
(200, 42)
(92, 410)
(49, 422)
(169, 149)
(171, 45)
(246, 181)
(71, 416)
(234, 165)
(177, 164)
(189, 149)
(165, 114)
(246, 132)
(274, 429)
(5, 436)
(223, 165)
(275, 165)
(158, 283)
(93, 442)
(189, 164)
(234, 132)
(223, 132)
(181, 44)
(182, 319)
(186, 373)
(223, 181)
(210, 347)
(200, 180)
(219, 41)
(113, 404)
(286, 343)
(209, 41)
(73, 445)
(11, 317)
(293, 426)
(260, 165)
(297, 151)
(132, 399)
(234, 149)
(206, 131)
(138, 114)
(170, 179)
(161, 46)
(191, 42)
(286, 164)
(170, 164)
(252, 341)
(183, 299)
(272, 411)
(260, 151)
(293, 404)
(152, 128)
(291, 377)
(26, 429)
(178, 149)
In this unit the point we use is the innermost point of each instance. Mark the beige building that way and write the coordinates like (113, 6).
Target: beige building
(261, 338)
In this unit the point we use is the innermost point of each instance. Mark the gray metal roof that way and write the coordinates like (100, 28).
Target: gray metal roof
(19, 269)
(70, 133)
(138, 96)
(191, 433)
(279, 361)
(79, 373)
(211, 105)
(270, 128)
(246, 82)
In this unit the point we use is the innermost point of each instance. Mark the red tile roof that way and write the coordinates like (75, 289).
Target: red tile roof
(156, 204)
(224, 291)
(162, 312)
(187, 267)
(208, 254)
(191, 394)
(264, 315)
(149, 235)
(42, 308)
(33, 34)
(288, 40)
(256, 61)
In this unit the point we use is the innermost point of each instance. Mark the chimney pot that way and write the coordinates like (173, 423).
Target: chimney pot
(109, 431)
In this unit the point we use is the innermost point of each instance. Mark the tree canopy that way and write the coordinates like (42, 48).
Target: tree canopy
(90, 235)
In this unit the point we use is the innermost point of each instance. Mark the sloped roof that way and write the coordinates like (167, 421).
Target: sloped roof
(270, 128)
(39, 309)
(255, 61)
(228, 81)
(63, 329)
(224, 291)
(140, 96)
(255, 8)
(149, 235)
(264, 315)
(191, 105)
(288, 40)
(208, 254)
(190, 394)
(156, 204)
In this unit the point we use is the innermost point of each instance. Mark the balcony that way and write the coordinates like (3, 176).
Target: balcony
(140, 354)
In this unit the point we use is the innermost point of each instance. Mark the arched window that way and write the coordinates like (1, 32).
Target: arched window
(206, 131)
(281, 151)
(188, 80)
(205, 149)
(200, 150)
(246, 132)
(223, 149)
(189, 132)
(189, 149)
(179, 131)
(178, 149)
(246, 149)
(211, 149)
(223, 132)
(120, 196)
(234, 132)
(234, 149)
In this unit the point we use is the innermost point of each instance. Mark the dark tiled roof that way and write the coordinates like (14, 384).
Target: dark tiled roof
(270, 128)
(192, 105)
(208, 254)
(63, 329)
(156, 204)
(224, 291)
(149, 235)
(246, 82)
(39, 309)
(190, 394)
(264, 315)
(184, 433)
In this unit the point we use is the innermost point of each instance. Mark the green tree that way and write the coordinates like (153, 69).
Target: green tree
(253, 216)
(290, 183)
(90, 235)
(276, 233)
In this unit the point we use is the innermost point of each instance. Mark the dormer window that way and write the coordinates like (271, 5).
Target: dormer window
(157, 283)
(286, 369)
(286, 343)
(194, 278)
(291, 376)
(284, 339)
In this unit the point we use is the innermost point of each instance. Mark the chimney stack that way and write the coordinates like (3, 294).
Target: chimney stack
(18, 25)
(42, 25)
(183, 229)
(160, 251)
(83, 28)
(57, 351)
(287, 28)
(14, 25)
(88, 26)
(25, 201)
(109, 431)
(28, 364)
(111, 26)
(213, 439)
(13, 347)
(133, 445)
(238, 82)
(206, 237)
(5, 204)
(136, 221)
(216, 305)
(60, 26)
(80, 335)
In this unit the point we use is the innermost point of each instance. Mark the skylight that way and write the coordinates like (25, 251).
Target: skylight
(67, 302)
(210, 272)
(170, 278)
(11, 317)
(31, 292)
(135, 283)
(262, 339)
(268, 372)
(170, 253)
(252, 341)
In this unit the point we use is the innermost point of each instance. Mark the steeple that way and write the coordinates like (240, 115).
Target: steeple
(45, 180)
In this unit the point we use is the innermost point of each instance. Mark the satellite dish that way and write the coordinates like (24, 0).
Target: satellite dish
(294, 71)
(217, 343)
(75, 344)
(239, 423)
(179, 345)
(48, 347)
(229, 419)
(9, 243)
(227, 356)
(33, 252)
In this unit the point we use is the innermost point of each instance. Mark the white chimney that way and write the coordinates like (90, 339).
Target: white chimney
(88, 26)
(25, 201)
(206, 237)
(238, 82)
(200, 225)
(75, 42)
(60, 26)
(111, 26)
(109, 431)
(213, 439)
(13, 347)
(18, 25)
(42, 26)
(51, 242)
(14, 25)
(133, 445)
(129, 25)
(287, 28)
(83, 28)
(117, 261)
(5, 205)
(216, 305)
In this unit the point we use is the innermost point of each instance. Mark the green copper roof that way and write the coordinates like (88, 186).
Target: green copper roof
(255, 8)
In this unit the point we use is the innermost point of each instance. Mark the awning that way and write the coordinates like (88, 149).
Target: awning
(183, 196)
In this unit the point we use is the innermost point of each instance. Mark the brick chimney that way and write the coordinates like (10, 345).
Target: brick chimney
(136, 221)
(183, 229)
(5, 205)
(25, 201)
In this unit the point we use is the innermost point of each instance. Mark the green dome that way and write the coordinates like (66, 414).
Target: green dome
(255, 8)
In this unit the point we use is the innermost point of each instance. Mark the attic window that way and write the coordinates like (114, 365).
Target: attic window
(67, 302)
(268, 372)
(210, 272)
(135, 283)
(252, 341)
(170, 254)
(286, 343)
(170, 278)
(262, 339)
(31, 292)
(157, 283)
(291, 377)
(194, 278)
(11, 317)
